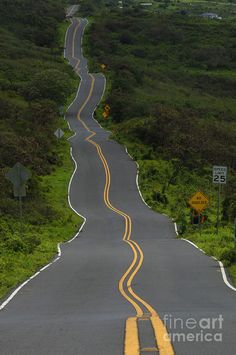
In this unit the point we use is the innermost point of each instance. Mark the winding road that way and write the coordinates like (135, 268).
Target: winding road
(125, 281)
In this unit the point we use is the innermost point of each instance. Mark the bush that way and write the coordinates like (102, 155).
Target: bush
(157, 196)
(50, 84)
(228, 257)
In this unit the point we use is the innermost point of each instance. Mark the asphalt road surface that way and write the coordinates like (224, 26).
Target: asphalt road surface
(125, 269)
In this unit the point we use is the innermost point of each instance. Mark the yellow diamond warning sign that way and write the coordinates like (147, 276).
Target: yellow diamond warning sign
(106, 111)
(199, 202)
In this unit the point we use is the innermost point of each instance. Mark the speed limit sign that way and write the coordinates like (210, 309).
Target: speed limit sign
(219, 174)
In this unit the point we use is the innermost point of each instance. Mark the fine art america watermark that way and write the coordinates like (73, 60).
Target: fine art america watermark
(194, 330)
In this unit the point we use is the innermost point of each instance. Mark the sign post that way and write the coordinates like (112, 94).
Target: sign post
(18, 176)
(220, 178)
(106, 111)
(61, 111)
(199, 202)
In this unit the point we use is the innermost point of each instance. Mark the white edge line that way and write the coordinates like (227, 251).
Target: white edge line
(70, 10)
(81, 79)
(137, 178)
(137, 181)
(104, 89)
(176, 228)
(226, 281)
(81, 38)
(59, 253)
(67, 30)
(222, 269)
(137, 174)
(137, 184)
(14, 293)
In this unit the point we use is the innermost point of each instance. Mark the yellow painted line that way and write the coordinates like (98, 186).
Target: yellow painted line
(131, 337)
(157, 324)
(129, 283)
(138, 309)
(162, 338)
(107, 202)
(127, 232)
(73, 40)
(77, 65)
(161, 335)
(127, 238)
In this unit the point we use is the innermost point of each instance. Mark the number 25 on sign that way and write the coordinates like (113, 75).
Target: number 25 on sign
(219, 174)
(219, 177)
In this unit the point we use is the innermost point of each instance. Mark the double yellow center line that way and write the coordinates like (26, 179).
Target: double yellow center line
(142, 308)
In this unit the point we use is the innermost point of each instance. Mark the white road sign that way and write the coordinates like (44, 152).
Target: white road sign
(18, 176)
(59, 133)
(219, 174)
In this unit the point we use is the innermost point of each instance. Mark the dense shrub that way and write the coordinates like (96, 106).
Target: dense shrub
(171, 89)
(34, 83)
(228, 257)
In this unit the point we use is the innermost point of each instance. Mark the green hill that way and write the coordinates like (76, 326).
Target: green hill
(171, 88)
(35, 83)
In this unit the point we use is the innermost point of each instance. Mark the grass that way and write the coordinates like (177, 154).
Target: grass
(168, 192)
(173, 82)
(171, 198)
(17, 265)
(232, 272)
(217, 245)
(47, 220)
(62, 32)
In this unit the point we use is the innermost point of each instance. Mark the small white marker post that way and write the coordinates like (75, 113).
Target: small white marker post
(220, 178)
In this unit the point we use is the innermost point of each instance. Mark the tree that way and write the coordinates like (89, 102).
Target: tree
(49, 84)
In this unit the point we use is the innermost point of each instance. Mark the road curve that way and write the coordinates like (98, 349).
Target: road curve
(144, 310)
(82, 304)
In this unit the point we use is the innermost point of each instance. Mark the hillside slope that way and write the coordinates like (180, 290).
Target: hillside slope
(35, 83)
(171, 91)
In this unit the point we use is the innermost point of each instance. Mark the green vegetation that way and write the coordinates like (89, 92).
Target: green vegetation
(35, 84)
(232, 271)
(194, 7)
(172, 81)
(47, 220)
